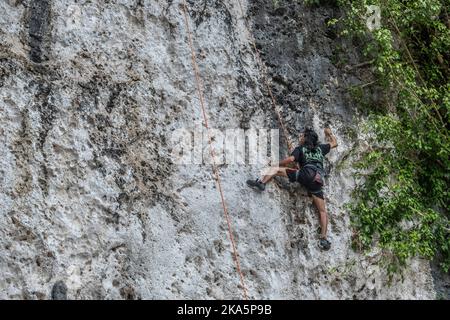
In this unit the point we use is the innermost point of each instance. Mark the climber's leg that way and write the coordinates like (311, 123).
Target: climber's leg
(319, 202)
(320, 205)
(272, 172)
(260, 184)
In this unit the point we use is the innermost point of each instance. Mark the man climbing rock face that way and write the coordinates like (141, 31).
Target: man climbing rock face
(309, 156)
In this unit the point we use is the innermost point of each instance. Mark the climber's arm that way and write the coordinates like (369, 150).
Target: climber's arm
(330, 138)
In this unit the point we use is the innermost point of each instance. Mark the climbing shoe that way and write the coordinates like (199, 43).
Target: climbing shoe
(324, 244)
(256, 184)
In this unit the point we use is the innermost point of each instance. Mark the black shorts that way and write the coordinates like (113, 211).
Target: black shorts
(308, 177)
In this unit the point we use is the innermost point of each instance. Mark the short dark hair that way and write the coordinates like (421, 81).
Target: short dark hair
(311, 138)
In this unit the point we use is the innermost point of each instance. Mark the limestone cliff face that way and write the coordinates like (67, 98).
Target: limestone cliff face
(92, 205)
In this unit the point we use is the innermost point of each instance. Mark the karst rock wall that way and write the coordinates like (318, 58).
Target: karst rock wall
(91, 199)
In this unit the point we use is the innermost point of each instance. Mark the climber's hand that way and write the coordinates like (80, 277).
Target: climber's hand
(330, 137)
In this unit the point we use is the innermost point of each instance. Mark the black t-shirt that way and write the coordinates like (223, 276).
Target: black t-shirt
(303, 156)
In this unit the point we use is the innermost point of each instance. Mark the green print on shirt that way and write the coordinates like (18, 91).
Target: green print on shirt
(312, 156)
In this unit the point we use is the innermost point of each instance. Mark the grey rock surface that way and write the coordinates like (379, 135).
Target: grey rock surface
(90, 93)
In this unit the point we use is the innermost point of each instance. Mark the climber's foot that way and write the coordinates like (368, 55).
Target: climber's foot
(324, 244)
(256, 184)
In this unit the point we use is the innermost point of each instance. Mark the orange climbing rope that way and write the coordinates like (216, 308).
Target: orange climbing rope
(212, 152)
(266, 81)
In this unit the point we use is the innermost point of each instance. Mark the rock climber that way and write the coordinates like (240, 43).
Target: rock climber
(309, 156)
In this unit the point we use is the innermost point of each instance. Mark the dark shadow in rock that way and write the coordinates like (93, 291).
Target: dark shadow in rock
(128, 293)
(441, 280)
(38, 28)
(59, 291)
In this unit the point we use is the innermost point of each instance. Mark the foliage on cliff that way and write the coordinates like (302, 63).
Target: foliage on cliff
(402, 202)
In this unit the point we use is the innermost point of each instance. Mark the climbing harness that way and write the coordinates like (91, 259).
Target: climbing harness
(212, 152)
